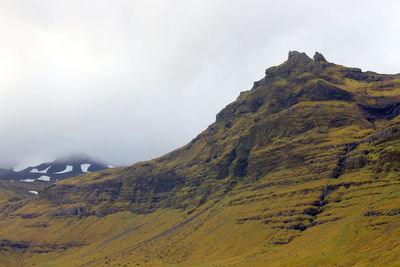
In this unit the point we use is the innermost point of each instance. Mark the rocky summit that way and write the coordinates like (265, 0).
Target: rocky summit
(301, 170)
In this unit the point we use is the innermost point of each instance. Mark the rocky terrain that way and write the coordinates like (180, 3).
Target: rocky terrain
(32, 180)
(303, 169)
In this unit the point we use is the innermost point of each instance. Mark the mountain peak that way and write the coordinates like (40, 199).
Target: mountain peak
(318, 57)
(76, 157)
(293, 55)
(297, 63)
(296, 55)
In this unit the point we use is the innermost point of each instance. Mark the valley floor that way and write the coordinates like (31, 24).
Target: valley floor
(263, 225)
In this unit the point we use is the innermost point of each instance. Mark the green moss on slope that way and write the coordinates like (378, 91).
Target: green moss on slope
(301, 170)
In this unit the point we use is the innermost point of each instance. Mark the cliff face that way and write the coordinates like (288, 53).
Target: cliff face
(302, 168)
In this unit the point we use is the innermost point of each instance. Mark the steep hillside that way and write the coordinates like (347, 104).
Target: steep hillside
(302, 169)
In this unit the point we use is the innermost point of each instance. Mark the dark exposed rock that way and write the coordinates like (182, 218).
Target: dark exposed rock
(269, 75)
(244, 147)
(368, 76)
(30, 215)
(323, 91)
(374, 112)
(62, 212)
(224, 165)
(318, 57)
(340, 167)
(392, 212)
(5, 243)
(37, 225)
(297, 55)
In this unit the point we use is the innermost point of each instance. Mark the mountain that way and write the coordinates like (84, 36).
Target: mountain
(33, 179)
(58, 169)
(303, 169)
(62, 168)
(8, 174)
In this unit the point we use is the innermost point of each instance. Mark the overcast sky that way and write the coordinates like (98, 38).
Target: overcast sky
(127, 81)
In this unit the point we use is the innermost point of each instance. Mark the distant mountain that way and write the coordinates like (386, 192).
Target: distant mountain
(56, 170)
(8, 174)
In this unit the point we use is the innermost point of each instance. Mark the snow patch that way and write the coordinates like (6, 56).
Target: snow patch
(33, 192)
(44, 178)
(35, 170)
(68, 168)
(28, 180)
(110, 166)
(85, 167)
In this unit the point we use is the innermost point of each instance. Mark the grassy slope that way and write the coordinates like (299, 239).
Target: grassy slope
(295, 172)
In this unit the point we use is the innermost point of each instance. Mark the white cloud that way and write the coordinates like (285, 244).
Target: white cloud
(131, 80)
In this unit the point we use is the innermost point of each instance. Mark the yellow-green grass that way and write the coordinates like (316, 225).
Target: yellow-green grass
(302, 170)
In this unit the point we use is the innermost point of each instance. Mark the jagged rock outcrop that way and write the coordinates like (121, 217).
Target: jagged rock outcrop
(318, 57)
